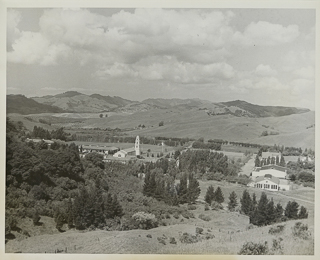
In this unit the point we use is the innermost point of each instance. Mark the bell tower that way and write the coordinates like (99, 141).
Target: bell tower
(137, 146)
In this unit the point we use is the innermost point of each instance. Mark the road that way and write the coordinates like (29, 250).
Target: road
(248, 167)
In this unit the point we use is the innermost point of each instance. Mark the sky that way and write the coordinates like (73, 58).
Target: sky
(262, 56)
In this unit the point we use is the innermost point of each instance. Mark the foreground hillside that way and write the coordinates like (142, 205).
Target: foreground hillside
(227, 235)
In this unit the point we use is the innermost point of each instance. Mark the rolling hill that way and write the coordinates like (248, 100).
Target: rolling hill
(22, 105)
(81, 103)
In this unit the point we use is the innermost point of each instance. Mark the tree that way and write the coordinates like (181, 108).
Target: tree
(218, 195)
(118, 211)
(35, 217)
(282, 161)
(257, 161)
(161, 123)
(260, 215)
(101, 115)
(209, 195)
(183, 189)
(193, 189)
(291, 210)
(271, 214)
(106, 115)
(232, 201)
(277, 160)
(246, 203)
(278, 212)
(268, 160)
(303, 212)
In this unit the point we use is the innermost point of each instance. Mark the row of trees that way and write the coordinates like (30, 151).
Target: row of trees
(267, 161)
(265, 212)
(90, 207)
(163, 188)
(209, 145)
(202, 161)
(39, 132)
(217, 196)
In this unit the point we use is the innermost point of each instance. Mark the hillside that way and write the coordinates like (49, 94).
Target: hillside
(265, 111)
(23, 105)
(81, 103)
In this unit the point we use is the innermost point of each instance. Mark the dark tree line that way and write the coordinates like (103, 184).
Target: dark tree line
(265, 212)
(163, 188)
(39, 132)
(209, 145)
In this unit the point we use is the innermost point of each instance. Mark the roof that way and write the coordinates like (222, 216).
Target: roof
(273, 166)
(39, 140)
(270, 154)
(272, 179)
(97, 147)
(129, 150)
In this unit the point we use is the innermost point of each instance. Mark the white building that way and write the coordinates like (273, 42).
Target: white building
(274, 170)
(271, 183)
(125, 152)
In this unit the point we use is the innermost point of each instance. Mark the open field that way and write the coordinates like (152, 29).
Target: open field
(291, 130)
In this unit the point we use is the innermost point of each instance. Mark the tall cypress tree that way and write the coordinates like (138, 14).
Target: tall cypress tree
(109, 207)
(209, 195)
(261, 213)
(257, 161)
(183, 189)
(246, 203)
(271, 214)
(282, 161)
(118, 211)
(278, 212)
(232, 201)
(193, 189)
(218, 195)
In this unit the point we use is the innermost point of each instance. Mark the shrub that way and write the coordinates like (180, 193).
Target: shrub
(216, 206)
(251, 248)
(199, 230)
(192, 207)
(145, 220)
(276, 230)
(301, 231)
(204, 217)
(187, 214)
(206, 207)
(149, 236)
(161, 240)
(176, 215)
(172, 240)
(277, 246)
(209, 236)
(187, 238)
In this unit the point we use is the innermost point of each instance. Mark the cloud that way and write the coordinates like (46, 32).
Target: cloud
(13, 33)
(265, 70)
(305, 72)
(169, 68)
(264, 33)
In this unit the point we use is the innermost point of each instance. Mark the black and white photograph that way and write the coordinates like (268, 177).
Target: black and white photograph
(164, 130)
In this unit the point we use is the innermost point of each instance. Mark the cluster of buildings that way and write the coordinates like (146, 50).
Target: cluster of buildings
(116, 152)
(270, 177)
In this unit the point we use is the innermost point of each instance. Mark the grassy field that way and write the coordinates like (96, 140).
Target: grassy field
(292, 130)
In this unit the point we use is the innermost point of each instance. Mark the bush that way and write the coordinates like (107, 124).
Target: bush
(199, 230)
(301, 231)
(251, 248)
(145, 220)
(216, 206)
(192, 207)
(204, 217)
(187, 238)
(206, 207)
(187, 214)
(209, 236)
(149, 236)
(172, 240)
(176, 215)
(276, 230)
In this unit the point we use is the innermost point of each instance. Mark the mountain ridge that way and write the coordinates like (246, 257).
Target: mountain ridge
(73, 101)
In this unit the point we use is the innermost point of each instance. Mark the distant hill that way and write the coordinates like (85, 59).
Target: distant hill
(265, 111)
(23, 105)
(81, 103)
(77, 102)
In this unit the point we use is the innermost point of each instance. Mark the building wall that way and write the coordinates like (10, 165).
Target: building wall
(267, 185)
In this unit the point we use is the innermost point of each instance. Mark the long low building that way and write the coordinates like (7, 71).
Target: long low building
(274, 170)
